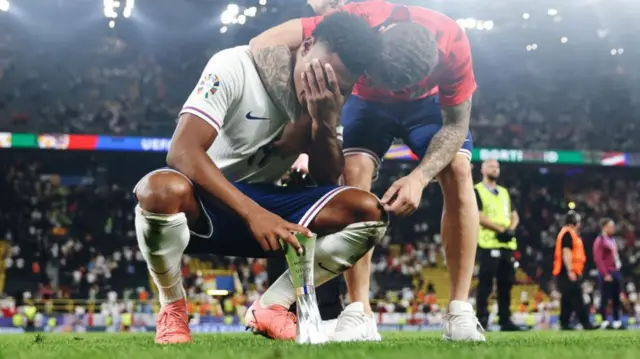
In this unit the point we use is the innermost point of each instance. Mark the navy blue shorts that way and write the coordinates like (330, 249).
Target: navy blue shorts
(370, 127)
(227, 234)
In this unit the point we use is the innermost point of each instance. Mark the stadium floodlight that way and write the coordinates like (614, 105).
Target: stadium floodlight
(470, 23)
(242, 19)
(233, 9)
(226, 17)
(564, 39)
(262, 2)
(128, 8)
(620, 51)
(5, 5)
(552, 12)
(112, 24)
(526, 16)
(223, 29)
(250, 12)
(488, 25)
(473, 24)
(110, 9)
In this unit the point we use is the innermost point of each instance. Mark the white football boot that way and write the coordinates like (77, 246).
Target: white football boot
(354, 325)
(461, 323)
(329, 327)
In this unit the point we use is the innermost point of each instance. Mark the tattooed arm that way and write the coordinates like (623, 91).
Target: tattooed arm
(289, 33)
(446, 142)
(275, 67)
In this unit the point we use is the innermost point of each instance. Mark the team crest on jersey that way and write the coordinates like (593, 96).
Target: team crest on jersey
(208, 85)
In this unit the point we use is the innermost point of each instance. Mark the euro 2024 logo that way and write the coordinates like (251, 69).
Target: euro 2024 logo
(208, 85)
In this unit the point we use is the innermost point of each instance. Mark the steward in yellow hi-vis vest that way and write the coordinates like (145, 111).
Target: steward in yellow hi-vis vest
(30, 312)
(496, 245)
(126, 319)
(496, 207)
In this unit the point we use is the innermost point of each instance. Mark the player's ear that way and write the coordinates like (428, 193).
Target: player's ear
(306, 45)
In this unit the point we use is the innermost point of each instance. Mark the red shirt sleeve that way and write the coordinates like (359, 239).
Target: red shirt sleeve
(457, 82)
(309, 24)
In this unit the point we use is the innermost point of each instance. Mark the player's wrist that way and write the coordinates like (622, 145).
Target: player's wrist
(418, 176)
(324, 128)
(329, 118)
(252, 209)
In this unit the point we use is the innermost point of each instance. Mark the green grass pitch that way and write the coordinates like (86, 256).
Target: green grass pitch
(530, 345)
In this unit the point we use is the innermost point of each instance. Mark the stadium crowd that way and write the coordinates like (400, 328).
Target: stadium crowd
(67, 218)
(69, 232)
(121, 83)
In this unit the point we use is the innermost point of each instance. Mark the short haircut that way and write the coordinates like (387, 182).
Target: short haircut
(409, 53)
(351, 38)
(604, 221)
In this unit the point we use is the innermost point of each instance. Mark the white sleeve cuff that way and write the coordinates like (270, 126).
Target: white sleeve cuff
(203, 115)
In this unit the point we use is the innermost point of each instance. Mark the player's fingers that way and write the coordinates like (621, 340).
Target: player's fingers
(288, 237)
(388, 195)
(410, 210)
(311, 79)
(300, 229)
(305, 84)
(318, 72)
(263, 244)
(402, 210)
(332, 79)
(273, 242)
(398, 206)
(402, 204)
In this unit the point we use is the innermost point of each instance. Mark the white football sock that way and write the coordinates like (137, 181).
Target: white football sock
(162, 238)
(281, 292)
(335, 253)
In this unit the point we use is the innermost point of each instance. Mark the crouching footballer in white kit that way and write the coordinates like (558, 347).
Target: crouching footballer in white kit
(217, 195)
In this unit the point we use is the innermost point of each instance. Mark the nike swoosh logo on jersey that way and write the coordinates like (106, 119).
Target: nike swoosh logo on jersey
(250, 117)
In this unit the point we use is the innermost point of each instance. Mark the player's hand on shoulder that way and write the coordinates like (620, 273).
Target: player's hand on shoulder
(267, 228)
(322, 93)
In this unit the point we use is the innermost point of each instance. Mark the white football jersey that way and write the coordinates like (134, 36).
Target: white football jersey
(231, 97)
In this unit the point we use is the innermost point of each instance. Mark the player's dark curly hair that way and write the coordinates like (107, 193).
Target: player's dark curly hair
(351, 38)
(409, 53)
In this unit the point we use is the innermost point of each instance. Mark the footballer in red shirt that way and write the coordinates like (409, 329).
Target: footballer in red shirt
(420, 91)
